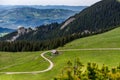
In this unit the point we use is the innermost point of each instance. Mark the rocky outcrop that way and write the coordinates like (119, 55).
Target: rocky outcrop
(67, 22)
(21, 31)
(29, 30)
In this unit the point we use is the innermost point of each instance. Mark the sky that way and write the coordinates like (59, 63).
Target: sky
(49, 2)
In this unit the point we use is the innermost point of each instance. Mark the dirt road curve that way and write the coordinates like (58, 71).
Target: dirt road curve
(34, 72)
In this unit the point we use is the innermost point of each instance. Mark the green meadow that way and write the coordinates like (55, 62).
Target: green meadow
(109, 39)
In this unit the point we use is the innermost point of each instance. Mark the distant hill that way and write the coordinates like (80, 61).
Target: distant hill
(30, 17)
(73, 8)
(5, 30)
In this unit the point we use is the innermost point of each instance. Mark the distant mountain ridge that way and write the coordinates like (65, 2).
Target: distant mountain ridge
(30, 17)
(6, 30)
(73, 8)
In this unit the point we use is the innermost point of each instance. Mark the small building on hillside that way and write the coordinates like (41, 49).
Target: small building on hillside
(55, 52)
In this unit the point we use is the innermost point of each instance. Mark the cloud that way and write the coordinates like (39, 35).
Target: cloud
(47, 2)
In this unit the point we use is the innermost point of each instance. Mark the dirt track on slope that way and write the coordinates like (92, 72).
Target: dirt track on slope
(35, 72)
(51, 63)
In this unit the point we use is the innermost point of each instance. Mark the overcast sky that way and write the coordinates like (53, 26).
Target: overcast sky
(48, 2)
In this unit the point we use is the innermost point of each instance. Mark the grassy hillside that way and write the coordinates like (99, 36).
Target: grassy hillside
(22, 61)
(105, 40)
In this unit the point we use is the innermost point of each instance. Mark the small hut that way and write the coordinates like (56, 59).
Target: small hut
(55, 52)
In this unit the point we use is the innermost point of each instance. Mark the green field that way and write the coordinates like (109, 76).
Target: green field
(25, 61)
(30, 61)
(109, 39)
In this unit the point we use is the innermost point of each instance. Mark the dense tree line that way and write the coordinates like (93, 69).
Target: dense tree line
(16, 46)
(75, 71)
(27, 45)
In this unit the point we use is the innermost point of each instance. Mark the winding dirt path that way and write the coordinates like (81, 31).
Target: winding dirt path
(34, 72)
(51, 63)
(91, 49)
